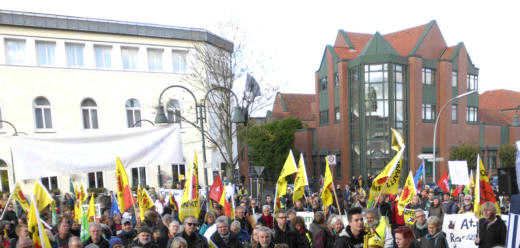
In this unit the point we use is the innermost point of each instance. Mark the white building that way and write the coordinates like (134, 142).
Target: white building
(62, 74)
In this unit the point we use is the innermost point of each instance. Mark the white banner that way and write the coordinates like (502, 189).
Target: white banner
(460, 229)
(459, 172)
(177, 194)
(308, 217)
(54, 155)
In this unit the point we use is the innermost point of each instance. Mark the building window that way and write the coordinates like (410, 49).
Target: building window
(95, 179)
(133, 113)
(454, 113)
(336, 79)
(337, 115)
(139, 176)
(42, 113)
(472, 82)
(179, 172)
(323, 84)
(492, 159)
(103, 56)
(15, 52)
(51, 183)
(472, 114)
(89, 112)
(428, 76)
(338, 165)
(74, 54)
(174, 111)
(129, 57)
(155, 59)
(4, 177)
(428, 112)
(454, 79)
(45, 53)
(324, 117)
(179, 61)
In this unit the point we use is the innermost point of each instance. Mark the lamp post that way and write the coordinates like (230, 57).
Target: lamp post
(11, 124)
(200, 111)
(141, 120)
(437, 122)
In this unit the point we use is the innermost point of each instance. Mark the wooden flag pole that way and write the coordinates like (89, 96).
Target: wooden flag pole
(337, 202)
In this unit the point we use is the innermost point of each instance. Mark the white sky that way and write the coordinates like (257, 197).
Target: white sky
(289, 37)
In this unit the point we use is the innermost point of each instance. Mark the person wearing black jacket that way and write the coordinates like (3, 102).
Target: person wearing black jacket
(353, 234)
(95, 232)
(282, 233)
(190, 234)
(240, 217)
(128, 233)
(144, 239)
(223, 238)
(491, 228)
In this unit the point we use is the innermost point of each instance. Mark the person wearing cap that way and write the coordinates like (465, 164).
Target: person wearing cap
(219, 210)
(128, 233)
(95, 232)
(190, 234)
(116, 242)
(375, 242)
(144, 239)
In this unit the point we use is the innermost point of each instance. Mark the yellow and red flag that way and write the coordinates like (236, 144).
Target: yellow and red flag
(81, 194)
(124, 194)
(41, 196)
(326, 194)
(144, 200)
(409, 191)
(173, 202)
(300, 181)
(483, 189)
(91, 211)
(18, 196)
(190, 204)
(39, 236)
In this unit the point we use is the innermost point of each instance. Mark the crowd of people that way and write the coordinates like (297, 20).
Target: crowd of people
(255, 225)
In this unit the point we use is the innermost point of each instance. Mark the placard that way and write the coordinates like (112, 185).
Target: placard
(460, 229)
(459, 172)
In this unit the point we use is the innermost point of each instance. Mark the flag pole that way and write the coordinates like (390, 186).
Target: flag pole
(337, 202)
(5, 207)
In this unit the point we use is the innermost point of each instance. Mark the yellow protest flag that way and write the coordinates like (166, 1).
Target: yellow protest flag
(483, 190)
(300, 180)
(409, 191)
(124, 195)
(144, 200)
(190, 204)
(326, 194)
(41, 196)
(39, 236)
(19, 197)
(91, 211)
(289, 168)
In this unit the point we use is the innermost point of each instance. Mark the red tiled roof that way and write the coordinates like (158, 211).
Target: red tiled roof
(298, 105)
(499, 99)
(492, 116)
(405, 40)
(448, 52)
(359, 40)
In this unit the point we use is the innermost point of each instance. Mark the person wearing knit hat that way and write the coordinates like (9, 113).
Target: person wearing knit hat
(144, 239)
(116, 242)
(375, 242)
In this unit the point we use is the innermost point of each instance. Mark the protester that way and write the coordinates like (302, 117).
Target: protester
(190, 234)
(337, 225)
(144, 239)
(283, 234)
(420, 227)
(173, 229)
(435, 237)
(178, 242)
(21, 231)
(304, 236)
(242, 235)
(318, 228)
(436, 209)
(467, 205)
(128, 233)
(491, 228)
(264, 238)
(266, 219)
(240, 217)
(61, 239)
(75, 242)
(209, 220)
(24, 242)
(353, 234)
(253, 208)
(377, 224)
(223, 238)
(404, 238)
(96, 237)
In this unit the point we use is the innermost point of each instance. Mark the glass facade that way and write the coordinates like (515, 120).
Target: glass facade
(378, 103)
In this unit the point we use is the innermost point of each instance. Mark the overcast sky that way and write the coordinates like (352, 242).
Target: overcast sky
(289, 37)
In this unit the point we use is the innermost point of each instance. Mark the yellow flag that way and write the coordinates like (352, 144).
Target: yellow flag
(91, 212)
(77, 212)
(39, 236)
(300, 181)
(145, 201)
(19, 196)
(387, 181)
(409, 216)
(289, 168)
(483, 190)
(408, 193)
(41, 196)
(82, 195)
(190, 204)
(124, 194)
(326, 195)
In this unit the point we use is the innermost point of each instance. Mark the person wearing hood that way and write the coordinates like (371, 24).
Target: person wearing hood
(144, 239)
(353, 234)
(435, 237)
(223, 238)
(282, 233)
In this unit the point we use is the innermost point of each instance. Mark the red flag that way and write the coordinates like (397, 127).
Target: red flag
(215, 192)
(443, 182)
(457, 190)
(173, 202)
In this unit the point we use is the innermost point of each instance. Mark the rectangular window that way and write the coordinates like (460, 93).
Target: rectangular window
(95, 179)
(103, 55)
(472, 82)
(338, 165)
(323, 84)
(472, 114)
(428, 76)
(45, 53)
(139, 176)
(337, 115)
(454, 113)
(454, 78)
(155, 59)
(51, 183)
(129, 57)
(74, 54)
(324, 117)
(336, 79)
(492, 159)
(179, 61)
(428, 112)
(15, 52)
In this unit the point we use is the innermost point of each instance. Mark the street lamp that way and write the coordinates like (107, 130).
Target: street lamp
(437, 121)
(237, 116)
(15, 130)
(141, 120)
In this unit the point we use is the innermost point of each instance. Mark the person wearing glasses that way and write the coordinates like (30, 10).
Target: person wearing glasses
(190, 234)
(223, 238)
(420, 227)
(283, 234)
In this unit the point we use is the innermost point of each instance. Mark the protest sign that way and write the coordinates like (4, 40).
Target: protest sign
(459, 172)
(460, 229)
(177, 193)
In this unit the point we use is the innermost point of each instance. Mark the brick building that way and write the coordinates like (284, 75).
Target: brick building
(369, 83)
